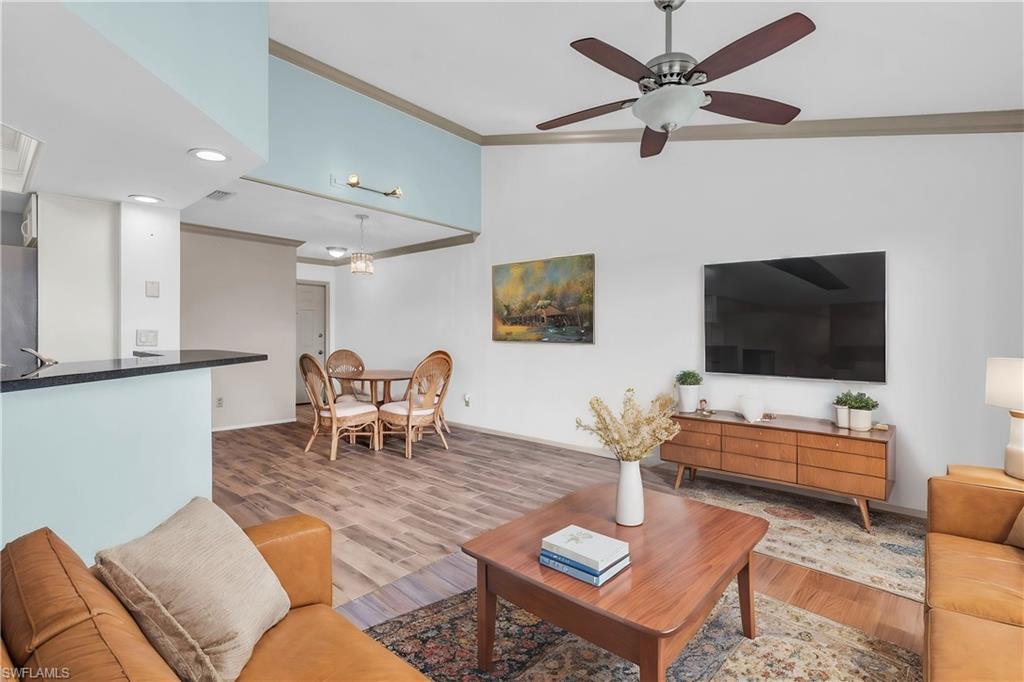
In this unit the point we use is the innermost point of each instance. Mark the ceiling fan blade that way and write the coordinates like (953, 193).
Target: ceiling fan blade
(750, 108)
(585, 114)
(652, 142)
(612, 58)
(755, 46)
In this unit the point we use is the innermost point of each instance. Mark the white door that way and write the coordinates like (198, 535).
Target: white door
(310, 329)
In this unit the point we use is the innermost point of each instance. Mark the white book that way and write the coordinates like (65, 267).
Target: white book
(586, 547)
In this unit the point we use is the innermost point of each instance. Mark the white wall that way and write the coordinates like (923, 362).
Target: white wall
(239, 295)
(150, 239)
(946, 209)
(78, 278)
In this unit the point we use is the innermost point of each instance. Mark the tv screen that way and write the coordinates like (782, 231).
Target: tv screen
(820, 317)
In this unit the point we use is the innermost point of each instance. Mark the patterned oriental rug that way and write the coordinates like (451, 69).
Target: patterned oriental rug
(792, 644)
(827, 536)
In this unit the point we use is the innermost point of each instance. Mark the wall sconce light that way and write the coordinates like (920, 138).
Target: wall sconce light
(354, 182)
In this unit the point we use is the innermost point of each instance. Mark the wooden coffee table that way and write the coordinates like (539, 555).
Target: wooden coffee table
(683, 557)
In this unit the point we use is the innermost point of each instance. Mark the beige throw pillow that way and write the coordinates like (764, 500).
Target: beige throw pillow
(199, 589)
(1016, 536)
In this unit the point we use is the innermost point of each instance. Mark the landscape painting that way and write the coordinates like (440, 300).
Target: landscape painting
(549, 300)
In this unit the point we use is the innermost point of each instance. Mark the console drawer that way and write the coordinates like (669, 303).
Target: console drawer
(708, 441)
(698, 457)
(698, 426)
(843, 461)
(759, 433)
(842, 482)
(759, 448)
(841, 444)
(762, 468)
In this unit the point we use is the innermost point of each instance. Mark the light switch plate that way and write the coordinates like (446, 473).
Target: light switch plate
(146, 337)
(152, 289)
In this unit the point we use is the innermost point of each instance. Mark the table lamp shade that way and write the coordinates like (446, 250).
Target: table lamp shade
(1004, 383)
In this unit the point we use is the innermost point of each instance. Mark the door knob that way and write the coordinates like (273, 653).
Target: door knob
(319, 352)
(320, 335)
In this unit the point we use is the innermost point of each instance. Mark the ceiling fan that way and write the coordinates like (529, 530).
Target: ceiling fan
(669, 83)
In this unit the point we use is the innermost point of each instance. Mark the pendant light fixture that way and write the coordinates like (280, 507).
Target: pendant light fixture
(362, 262)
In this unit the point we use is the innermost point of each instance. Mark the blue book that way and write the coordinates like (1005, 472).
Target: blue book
(595, 580)
(554, 556)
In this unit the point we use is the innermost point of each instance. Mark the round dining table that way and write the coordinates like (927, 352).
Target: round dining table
(375, 376)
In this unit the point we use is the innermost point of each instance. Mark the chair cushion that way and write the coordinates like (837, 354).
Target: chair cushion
(961, 648)
(199, 588)
(977, 578)
(57, 614)
(315, 643)
(350, 408)
(402, 407)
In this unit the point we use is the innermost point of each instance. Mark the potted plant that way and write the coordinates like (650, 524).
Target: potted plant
(861, 405)
(842, 405)
(688, 389)
(631, 436)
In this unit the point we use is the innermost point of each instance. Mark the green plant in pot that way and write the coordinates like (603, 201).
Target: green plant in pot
(688, 390)
(842, 405)
(861, 406)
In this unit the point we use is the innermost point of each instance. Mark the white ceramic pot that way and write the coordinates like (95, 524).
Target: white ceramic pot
(842, 416)
(751, 407)
(687, 398)
(629, 499)
(860, 420)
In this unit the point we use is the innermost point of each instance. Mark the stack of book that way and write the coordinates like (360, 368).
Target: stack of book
(585, 555)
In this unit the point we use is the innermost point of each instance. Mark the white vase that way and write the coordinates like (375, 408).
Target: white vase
(629, 499)
(842, 416)
(688, 397)
(860, 420)
(752, 408)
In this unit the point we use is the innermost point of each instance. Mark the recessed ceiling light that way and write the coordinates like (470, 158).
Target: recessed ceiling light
(337, 251)
(145, 199)
(207, 154)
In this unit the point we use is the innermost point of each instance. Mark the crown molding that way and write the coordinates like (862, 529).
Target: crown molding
(211, 231)
(961, 123)
(313, 65)
(432, 245)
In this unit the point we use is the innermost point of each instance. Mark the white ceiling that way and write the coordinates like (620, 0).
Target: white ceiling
(107, 126)
(266, 210)
(504, 67)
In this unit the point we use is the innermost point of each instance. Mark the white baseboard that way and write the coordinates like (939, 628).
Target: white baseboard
(654, 460)
(235, 427)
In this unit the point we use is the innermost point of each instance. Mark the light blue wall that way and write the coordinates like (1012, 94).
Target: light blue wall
(212, 53)
(104, 462)
(319, 128)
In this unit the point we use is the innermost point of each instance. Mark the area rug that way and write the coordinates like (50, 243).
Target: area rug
(827, 536)
(792, 644)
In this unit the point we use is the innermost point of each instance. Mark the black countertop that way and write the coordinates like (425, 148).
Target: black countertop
(22, 378)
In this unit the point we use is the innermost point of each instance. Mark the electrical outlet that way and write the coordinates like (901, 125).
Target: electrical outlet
(146, 337)
(220, 402)
(465, 399)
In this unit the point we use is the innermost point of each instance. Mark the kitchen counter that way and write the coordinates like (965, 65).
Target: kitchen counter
(22, 377)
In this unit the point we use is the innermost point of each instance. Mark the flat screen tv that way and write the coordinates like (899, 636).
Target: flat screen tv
(820, 317)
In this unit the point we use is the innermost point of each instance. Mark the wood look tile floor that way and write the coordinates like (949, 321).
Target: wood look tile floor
(394, 520)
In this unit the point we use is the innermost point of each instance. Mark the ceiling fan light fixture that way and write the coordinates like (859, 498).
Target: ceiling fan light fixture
(668, 107)
(336, 251)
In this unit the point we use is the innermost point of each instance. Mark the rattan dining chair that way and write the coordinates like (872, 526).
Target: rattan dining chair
(344, 361)
(334, 417)
(423, 404)
(444, 353)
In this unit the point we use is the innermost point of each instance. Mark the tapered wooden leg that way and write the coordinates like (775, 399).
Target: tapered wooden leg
(693, 473)
(653, 661)
(745, 584)
(334, 445)
(486, 615)
(680, 470)
(865, 512)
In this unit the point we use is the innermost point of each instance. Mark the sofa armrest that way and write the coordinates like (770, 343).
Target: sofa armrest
(298, 549)
(974, 502)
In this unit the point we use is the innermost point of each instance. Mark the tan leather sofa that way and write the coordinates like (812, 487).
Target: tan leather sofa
(974, 584)
(56, 616)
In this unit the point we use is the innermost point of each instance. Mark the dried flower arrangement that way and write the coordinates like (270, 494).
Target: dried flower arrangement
(632, 435)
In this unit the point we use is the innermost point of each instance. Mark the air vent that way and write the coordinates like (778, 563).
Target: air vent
(220, 195)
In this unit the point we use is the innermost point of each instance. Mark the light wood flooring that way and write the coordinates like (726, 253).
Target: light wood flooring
(394, 520)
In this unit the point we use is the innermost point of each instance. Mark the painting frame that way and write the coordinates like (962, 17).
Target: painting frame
(546, 300)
